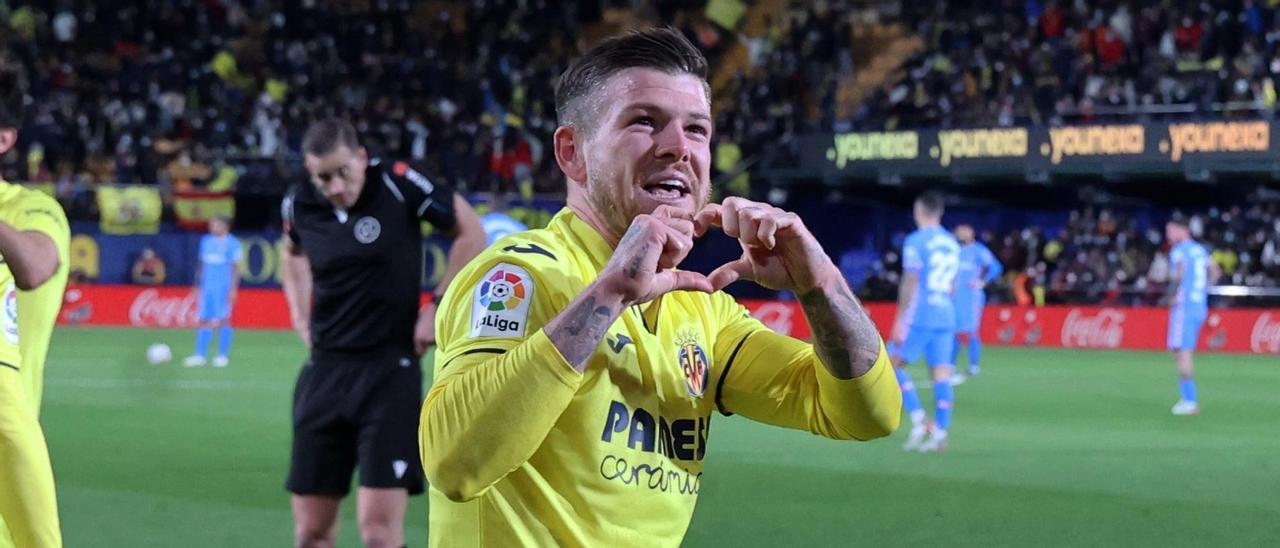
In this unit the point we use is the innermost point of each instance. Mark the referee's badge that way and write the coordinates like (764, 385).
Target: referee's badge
(500, 302)
(367, 230)
(693, 363)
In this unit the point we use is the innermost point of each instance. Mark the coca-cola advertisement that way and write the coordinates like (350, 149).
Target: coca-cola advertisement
(165, 307)
(1103, 329)
(1265, 336)
(1225, 330)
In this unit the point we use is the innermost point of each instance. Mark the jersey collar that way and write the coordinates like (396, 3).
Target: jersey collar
(597, 249)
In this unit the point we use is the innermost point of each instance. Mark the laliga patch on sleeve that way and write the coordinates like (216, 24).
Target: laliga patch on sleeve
(500, 303)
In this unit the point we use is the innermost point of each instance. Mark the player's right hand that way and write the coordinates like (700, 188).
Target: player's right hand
(643, 264)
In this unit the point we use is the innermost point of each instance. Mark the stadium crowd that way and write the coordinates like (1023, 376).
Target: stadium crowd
(204, 93)
(1054, 61)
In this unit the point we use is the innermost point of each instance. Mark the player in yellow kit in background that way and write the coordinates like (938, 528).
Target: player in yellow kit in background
(33, 244)
(578, 370)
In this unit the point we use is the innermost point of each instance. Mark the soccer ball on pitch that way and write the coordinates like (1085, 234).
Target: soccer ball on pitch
(159, 353)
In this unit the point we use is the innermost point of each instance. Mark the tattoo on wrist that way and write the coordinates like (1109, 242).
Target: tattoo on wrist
(844, 336)
(584, 324)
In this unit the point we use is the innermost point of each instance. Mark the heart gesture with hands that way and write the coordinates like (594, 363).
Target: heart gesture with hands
(643, 265)
(778, 251)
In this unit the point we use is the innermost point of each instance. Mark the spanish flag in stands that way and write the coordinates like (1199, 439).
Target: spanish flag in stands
(129, 209)
(194, 208)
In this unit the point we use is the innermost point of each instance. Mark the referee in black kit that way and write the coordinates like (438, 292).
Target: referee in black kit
(351, 267)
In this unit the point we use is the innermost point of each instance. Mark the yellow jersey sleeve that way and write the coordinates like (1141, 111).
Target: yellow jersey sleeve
(38, 212)
(38, 308)
(496, 370)
(780, 380)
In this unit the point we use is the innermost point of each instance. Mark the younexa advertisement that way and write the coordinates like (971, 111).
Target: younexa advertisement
(1095, 149)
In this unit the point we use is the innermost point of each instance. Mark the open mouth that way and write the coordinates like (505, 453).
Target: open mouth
(668, 189)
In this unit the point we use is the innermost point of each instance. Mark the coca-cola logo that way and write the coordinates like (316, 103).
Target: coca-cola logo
(1102, 330)
(149, 309)
(1265, 338)
(776, 316)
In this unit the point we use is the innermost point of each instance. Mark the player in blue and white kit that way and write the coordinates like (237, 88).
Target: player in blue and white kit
(978, 267)
(1190, 274)
(217, 279)
(926, 320)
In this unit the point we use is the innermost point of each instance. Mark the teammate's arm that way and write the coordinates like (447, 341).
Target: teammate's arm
(30, 255)
(236, 257)
(993, 268)
(522, 390)
(468, 241)
(906, 293)
(295, 278)
(1176, 271)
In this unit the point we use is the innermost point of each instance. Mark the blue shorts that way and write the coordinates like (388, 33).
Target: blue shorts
(1184, 327)
(936, 343)
(214, 306)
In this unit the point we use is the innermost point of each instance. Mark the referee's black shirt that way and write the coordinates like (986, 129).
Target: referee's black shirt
(366, 262)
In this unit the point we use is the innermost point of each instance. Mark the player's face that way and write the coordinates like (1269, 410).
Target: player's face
(1174, 233)
(651, 146)
(218, 227)
(920, 214)
(339, 175)
(8, 138)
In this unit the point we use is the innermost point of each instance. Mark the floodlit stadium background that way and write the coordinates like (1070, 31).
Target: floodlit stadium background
(1065, 132)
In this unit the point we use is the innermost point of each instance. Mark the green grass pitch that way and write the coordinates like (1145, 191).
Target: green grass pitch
(1049, 447)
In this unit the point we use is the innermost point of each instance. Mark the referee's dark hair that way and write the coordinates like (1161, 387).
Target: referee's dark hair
(663, 49)
(11, 96)
(932, 202)
(327, 135)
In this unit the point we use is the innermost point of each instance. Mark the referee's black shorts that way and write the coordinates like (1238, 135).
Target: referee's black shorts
(354, 409)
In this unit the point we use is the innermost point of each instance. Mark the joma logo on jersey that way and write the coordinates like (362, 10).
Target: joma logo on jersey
(682, 439)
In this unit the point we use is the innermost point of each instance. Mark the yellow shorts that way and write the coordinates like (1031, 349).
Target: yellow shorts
(28, 503)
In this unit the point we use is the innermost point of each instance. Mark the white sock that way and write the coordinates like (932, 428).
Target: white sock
(917, 418)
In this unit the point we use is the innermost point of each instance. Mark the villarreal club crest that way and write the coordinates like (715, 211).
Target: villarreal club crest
(693, 363)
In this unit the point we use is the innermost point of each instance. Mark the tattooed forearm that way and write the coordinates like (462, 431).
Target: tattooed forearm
(579, 327)
(844, 336)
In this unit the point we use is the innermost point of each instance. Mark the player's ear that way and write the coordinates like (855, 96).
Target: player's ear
(570, 153)
(363, 154)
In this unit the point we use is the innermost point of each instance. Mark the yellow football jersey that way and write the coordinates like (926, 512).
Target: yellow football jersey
(38, 309)
(521, 449)
(32, 518)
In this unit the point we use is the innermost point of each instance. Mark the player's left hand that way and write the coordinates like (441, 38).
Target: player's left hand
(977, 283)
(424, 331)
(778, 251)
(231, 297)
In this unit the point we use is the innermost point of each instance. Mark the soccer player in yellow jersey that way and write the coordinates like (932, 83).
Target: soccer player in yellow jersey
(578, 370)
(33, 243)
